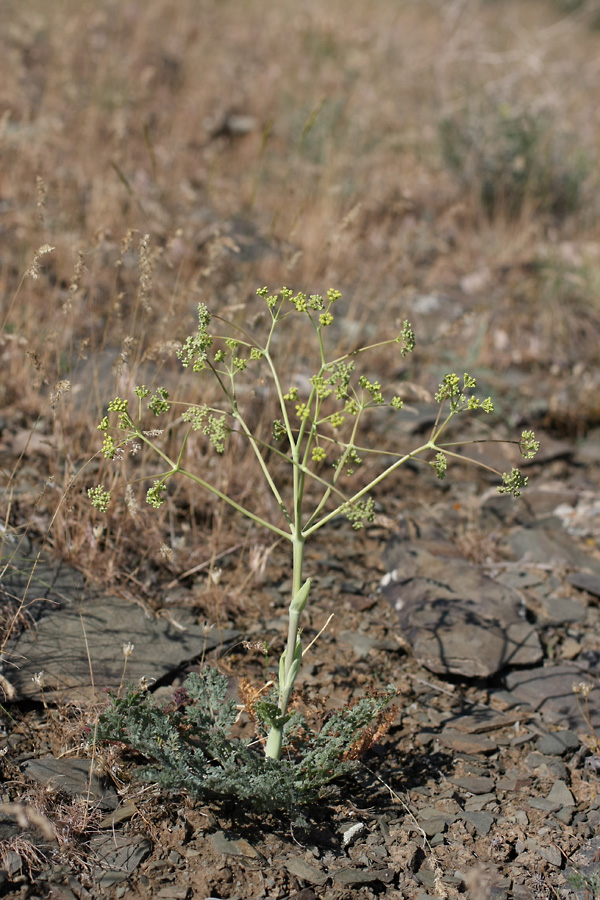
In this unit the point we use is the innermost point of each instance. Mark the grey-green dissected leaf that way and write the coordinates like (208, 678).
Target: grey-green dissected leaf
(188, 745)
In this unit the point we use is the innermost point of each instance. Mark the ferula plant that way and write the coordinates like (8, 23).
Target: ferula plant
(315, 437)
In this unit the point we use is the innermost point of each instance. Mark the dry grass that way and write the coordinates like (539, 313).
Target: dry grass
(115, 124)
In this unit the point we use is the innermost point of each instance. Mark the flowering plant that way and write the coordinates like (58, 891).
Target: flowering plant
(314, 437)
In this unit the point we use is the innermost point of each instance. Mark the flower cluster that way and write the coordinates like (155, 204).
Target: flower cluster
(159, 402)
(513, 483)
(459, 395)
(100, 497)
(195, 349)
(214, 427)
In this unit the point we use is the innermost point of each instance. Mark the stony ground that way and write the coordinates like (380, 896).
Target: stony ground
(483, 612)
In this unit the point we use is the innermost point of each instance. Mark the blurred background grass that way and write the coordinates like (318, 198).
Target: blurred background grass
(436, 161)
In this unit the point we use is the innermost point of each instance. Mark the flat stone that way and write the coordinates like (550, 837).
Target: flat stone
(304, 894)
(543, 500)
(480, 721)
(305, 871)
(560, 794)
(504, 699)
(478, 802)
(519, 579)
(585, 581)
(355, 876)
(117, 856)
(34, 576)
(13, 863)
(557, 743)
(570, 648)
(68, 641)
(513, 783)
(565, 814)
(231, 845)
(522, 892)
(173, 893)
(482, 821)
(548, 852)
(474, 784)
(543, 803)
(73, 776)
(456, 619)
(588, 449)
(8, 827)
(549, 689)
(434, 825)
(466, 743)
(547, 542)
(562, 610)
(426, 876)
(432, 812)
(121, 814)
(549, 767)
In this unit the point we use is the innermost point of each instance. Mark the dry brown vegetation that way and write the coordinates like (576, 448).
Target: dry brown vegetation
(119, 122)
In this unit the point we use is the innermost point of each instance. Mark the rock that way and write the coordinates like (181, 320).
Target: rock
(475, 282)
(584, 863)
(547, 767)
(122, 814)
(78, 630)
(482, 821)
(117, 856)
(522, 892)
(561, 610)
(543, 803)
(478, 802)
(305, 871)
(549, 689)
(588, 449)
(28, 573)
(173, 893)
(73, 776)
(569, 648)
(230, 845)
(518, 578)
(355, 876)
(466, 743)
(481, 720)
(561, 795)
(513, 782)
(456, 619)
(585, 581)
(70, 640)
(547, 542)
(474, 784)
(12, 862)
(548, 852)
(557, 743)
(543, 499)
(564, 814)
(434, 825)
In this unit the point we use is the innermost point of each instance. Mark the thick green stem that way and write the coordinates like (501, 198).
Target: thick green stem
(291, 658)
